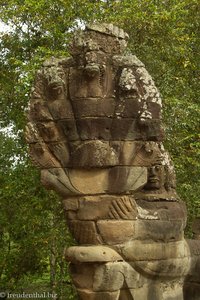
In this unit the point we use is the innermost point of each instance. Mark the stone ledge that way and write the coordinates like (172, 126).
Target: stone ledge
(91, 254)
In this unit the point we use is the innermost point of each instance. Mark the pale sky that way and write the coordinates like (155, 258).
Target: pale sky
(3, 27)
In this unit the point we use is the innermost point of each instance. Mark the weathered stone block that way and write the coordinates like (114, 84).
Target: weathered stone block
(141, 293)
(39, 111)
(90, 107)
(155, 109)
(173, 291)
(49, 131)
(71, 203)
(109, 277)
(166, 211)
(191, 291)
(94, 128)
(157, 230)
(61, 108)
(132, 278)
(69, 129)
(84, 232)
(83, 180)
(100, 207)
(196, 228)
(83, 274)
(110, 180)
(58, 179)
(129, 107)
(129, 60)
(42, 157)
(93, 153)
(125, 129)
(150, 291)
(117, 275)
(94, 207)
(60, 150)
(176, 267)
(93, 254)
(89, 295)
(123, 207)
(148, 251)
(126, 151)
(151, 130)
(82, 87)
(123, 179)
(116, 231)
(137, 153)
(193, 273)
(32, 134)
(101, 153)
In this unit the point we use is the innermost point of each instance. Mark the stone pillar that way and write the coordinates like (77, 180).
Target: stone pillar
(95, 132)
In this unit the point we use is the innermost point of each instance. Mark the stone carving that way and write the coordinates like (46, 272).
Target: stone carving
(94, 129)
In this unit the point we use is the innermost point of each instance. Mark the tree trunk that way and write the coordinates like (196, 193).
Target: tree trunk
(53, 269)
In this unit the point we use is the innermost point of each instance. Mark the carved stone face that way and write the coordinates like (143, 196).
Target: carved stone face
(156, 177)
(94, 61)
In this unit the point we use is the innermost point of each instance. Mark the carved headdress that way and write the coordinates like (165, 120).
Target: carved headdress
(97, 113)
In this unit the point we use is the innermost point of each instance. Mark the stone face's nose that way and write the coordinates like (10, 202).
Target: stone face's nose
(152, 171)
(92, 70)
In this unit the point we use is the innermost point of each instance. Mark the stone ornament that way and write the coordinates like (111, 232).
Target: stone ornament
(95, 131)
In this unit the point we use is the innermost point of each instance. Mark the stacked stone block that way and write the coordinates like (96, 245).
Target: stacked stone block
(95, 132)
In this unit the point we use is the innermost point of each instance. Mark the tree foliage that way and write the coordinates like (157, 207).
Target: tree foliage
(163, 34)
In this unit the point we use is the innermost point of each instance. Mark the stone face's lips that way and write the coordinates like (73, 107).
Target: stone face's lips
(153, 179)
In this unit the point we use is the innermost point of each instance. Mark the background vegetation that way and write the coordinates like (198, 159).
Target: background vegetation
(165, 36)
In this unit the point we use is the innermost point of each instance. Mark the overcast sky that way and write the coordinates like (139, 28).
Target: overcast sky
(3, 27)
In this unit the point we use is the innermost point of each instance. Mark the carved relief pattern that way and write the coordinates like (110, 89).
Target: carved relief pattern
(94, 129)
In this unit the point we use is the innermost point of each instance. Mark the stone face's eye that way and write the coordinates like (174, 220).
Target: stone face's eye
(157, 168)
